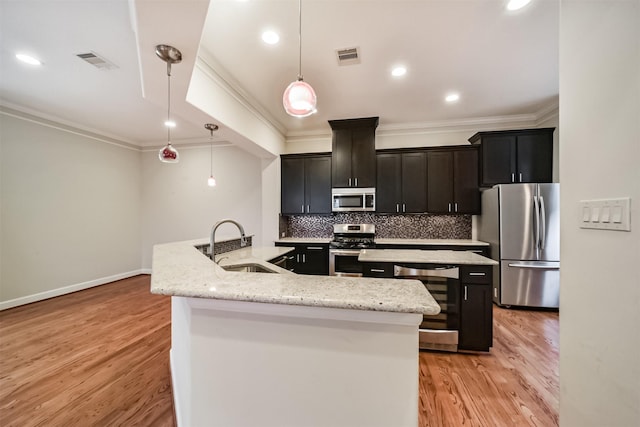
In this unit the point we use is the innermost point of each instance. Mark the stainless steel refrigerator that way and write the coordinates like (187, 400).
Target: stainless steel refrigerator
(521, 223)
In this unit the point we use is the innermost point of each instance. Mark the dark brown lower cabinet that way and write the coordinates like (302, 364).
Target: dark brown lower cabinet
(308, 258)
(476, 309)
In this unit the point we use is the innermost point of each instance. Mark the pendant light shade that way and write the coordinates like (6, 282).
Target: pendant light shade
(211, 181)
(168, 154)
(170, 55)
(299, 98)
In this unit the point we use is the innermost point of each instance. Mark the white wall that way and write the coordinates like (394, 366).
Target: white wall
(599, 158)
(270, 200)
(554, 122)
(70, 213)
(178, 205)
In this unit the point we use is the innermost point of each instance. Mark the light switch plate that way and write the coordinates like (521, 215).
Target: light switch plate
(606, 214)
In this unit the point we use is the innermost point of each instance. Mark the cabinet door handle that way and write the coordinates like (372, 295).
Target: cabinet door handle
(349, 182)
(397, 207)
(520, 176)
(377, 270)
(477, 274)
(356, 182)
(317, 248)
(465, 293)
(302, 209)
(304, 258)
(297, 257)
(456, 206)
(308, 208)
(404, 207)
(449, 207)
(513, 177)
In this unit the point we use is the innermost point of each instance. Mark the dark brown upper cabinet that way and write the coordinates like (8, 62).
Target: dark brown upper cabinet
(305, 184)
(515, 156)
(402, 182)
(452, 181)
(353, 152)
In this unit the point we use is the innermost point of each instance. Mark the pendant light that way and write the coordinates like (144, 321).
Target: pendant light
(299, 98)
(211, 182)
(170, 55)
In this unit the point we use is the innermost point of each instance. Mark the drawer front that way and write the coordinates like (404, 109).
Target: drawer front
(480, 274)
(373, 269)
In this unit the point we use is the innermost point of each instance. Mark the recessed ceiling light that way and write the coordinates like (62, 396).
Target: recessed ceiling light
(170, 124)
(452, 97)
(270, 37)
(28, 59)
(399, 71)
(517, 4)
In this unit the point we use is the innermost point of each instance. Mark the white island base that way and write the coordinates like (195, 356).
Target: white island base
(238, 363)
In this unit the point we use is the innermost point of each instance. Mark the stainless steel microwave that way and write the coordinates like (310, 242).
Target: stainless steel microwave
(353, 199)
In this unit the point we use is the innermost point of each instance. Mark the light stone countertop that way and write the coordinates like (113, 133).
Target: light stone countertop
(422, 256)
(381, 241)
(179, 269)
(304, 240)
(448, 242)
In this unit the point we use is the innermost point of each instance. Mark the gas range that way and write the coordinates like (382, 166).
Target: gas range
(353, 236)
(344, 249)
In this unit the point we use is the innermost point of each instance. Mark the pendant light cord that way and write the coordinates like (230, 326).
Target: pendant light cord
(168, 102)
(299, 39)
(211, 154)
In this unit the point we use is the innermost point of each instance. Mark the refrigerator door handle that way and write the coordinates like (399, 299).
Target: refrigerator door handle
(539, 266)
(543, 223)
(536, 219)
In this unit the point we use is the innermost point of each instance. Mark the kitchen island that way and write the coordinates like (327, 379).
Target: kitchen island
(288, 350)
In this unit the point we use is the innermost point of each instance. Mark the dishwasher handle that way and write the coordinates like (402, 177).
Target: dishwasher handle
(422, 273)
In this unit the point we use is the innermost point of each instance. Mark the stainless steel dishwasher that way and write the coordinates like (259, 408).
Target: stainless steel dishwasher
(439, 332)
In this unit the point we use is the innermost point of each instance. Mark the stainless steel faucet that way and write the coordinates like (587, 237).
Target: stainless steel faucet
(243, 239)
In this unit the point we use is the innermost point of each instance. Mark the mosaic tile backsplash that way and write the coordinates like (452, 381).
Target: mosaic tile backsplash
(387, 226)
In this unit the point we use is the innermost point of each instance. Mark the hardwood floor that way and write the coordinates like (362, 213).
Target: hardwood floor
(100, 357)
(516, 384)
(97, 357)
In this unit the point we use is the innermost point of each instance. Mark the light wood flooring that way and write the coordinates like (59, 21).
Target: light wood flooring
(100, 357)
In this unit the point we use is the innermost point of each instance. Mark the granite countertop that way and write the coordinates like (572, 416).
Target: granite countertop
(381, 241)
(449, 242)
(179, 269)
(426, 257)
(304, 240)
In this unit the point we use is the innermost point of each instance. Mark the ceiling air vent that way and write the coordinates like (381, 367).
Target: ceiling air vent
(348, 56)
(97, 61)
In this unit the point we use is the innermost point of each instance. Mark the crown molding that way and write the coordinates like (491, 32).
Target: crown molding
(217, 73)
(188, 146)
(33, 116)
(547, 112)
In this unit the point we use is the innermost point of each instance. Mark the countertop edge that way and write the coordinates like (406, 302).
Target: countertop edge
(179, 269)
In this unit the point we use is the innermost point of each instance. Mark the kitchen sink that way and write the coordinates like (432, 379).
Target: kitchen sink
(248, 268)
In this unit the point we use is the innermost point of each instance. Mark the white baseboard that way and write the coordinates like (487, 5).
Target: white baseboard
(68, 289)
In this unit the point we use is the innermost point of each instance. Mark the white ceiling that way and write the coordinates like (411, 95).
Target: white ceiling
(502, 63)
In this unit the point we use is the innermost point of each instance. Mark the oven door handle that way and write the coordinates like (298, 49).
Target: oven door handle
(344, 251)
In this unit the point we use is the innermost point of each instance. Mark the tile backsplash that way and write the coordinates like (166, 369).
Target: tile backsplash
(387, 226)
